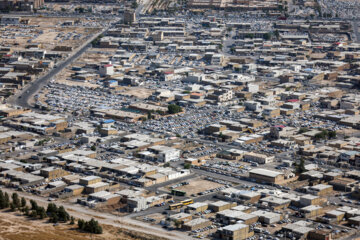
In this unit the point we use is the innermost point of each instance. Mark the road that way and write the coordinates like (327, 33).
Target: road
(356, 31)
(23, 97)
(79, 211)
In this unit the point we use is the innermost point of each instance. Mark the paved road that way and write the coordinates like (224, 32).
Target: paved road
(356, 31)
(23, 97)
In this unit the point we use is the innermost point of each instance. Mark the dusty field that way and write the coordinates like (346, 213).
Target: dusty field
(198, 185)
(14, 226)
(137, 92)
(45, 31)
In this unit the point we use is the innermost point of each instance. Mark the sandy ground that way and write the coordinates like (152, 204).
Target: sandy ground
(14, 226)
(138, 92)
(45, 33)
(198, 185)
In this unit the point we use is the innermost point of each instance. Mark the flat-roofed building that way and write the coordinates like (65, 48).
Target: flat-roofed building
(266, 176)
(195, 224)
(221, 206)
(197, 207)
(237, 231)
(96, 187)
(311, 211)
(230, 216)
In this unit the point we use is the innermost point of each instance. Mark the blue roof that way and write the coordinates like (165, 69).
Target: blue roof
(108, 121)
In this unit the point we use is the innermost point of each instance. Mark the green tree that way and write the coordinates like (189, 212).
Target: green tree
(23, 202)
(26, 210)
(6, 200)
(81, 224)
(2, 200)
(34, 205)
(54, 218)
(93, 148)
(267, 36)
(300, 168)
(303, 130)
(63, 215)
(332, 134)
(51, 209)
(16, 200)
(72, 220)
(41, 212)
(173, 108)
(33, 214)
(187, 165)
(12, 207)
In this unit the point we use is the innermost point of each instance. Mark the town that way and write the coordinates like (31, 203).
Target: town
(195, 119)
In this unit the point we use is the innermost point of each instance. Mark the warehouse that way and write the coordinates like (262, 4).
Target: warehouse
(105, 197)
(266, 176)
(335, 216)
(275, 203)
(308, 200)
(197, 207)
(311, 211)
(267, 217)
(230, 216)
(235, 232)
(320, 190)
(221, 206)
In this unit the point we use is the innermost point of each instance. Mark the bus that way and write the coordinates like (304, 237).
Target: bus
(177, 192)
(175, 206)
(187, 202)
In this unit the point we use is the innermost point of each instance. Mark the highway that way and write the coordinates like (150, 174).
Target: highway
(23, 97)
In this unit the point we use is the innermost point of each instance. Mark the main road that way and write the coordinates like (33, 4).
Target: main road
(23, 97)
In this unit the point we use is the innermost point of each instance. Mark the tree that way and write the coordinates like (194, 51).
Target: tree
(72, 220)
(300, 168)
(33, 214)
(303, 130)
(91, 226)
(187, 165)
(54, 218)
(332, 134)
(81, 224)
(173, 108)
(93, 148)
(16, 200)
(63, 215)
(34, 205)
(51, 209)
(26, 210)
(2, 200)
(167, 164)
(23, 202)
(267, 36)
(41, 212)
(12, 207)
(6, 200)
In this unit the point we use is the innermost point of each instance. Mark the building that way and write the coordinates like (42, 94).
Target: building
(267, 217)
(257, 157)
(52, 173)
(129, 17)
(197, 207)
(237, 231)
(311, 211)
(320, 190)
(221, 206)
(230, 216)
(195, 224)
(266, 176)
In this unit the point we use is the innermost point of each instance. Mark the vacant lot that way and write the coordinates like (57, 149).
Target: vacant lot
(14, 226)
(198, 185)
